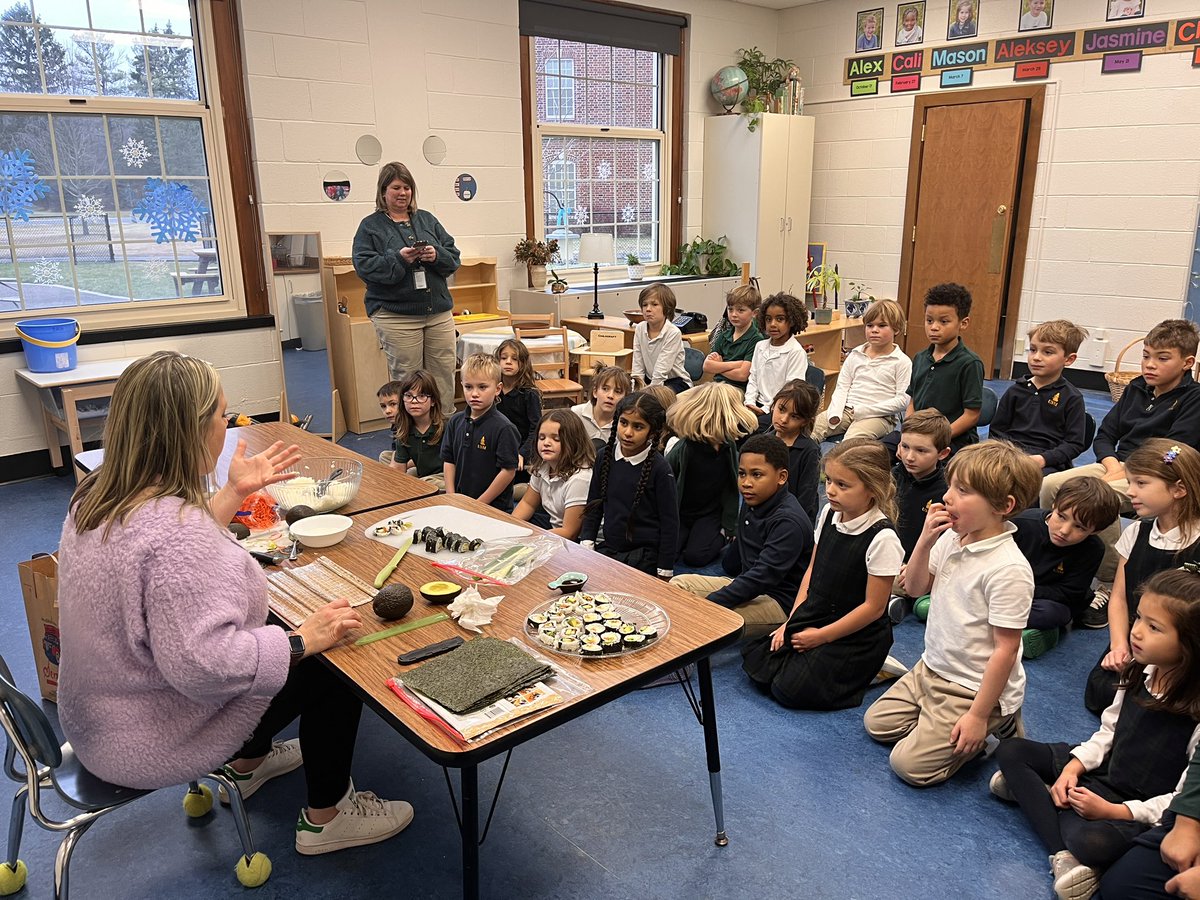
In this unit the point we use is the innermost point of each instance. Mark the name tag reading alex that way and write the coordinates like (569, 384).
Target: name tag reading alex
(419, 280)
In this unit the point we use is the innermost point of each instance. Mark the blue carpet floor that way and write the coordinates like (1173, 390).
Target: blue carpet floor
(614, 804)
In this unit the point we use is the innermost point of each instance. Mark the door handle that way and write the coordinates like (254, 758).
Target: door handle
(789, 223)
(781, 224)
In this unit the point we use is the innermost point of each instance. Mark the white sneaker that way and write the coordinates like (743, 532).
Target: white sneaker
(999, 788)
(892, 668)
(283, 758)
(362, 818)
(1072, 879)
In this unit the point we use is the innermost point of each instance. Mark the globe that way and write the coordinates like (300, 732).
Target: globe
(729, 87)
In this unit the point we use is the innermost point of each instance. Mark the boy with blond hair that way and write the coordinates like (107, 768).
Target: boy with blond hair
(872, 386)
(480, 446)
(1043, 413)
(1164, 401)
(969, 682)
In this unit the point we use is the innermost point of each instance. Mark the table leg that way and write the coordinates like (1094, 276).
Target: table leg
(709, 710)
(52, 443)
(469, 828)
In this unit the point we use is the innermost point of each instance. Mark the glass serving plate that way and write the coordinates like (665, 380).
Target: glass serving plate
(632, 610)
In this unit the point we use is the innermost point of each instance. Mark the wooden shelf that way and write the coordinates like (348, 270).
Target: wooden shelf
(289, 271)
(463, 287)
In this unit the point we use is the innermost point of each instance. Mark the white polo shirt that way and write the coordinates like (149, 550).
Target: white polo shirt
(560, 494)
(587, 415)
(984, 584)
(771, 368)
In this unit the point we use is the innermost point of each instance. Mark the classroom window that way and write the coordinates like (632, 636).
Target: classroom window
(604, 169)
(106, 189)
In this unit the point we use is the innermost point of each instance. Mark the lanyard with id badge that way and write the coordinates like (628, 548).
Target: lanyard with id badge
(420, 282)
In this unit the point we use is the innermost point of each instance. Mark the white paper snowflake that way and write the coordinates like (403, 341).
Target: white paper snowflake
(47, 271)
(580, 215)
(156, 268)
(628, 214)
(604, 170)
(648, 172)
(89, 208)
(134, 153)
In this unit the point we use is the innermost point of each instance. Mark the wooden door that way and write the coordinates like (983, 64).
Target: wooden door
(798, 204)
(968, 211)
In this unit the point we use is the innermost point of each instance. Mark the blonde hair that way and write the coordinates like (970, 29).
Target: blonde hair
(890, 312)
(870, 463)
(1183, 468)
(155, 440)
(746, 295)
(664, 395)
(1066, 334)
(997, 470)
(930, 423)
(394, 171)
(711, 413)
(482, 364)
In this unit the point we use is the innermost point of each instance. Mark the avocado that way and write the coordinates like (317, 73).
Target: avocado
(296, 513)
(240, 531)
(393, 602)
(440, 592)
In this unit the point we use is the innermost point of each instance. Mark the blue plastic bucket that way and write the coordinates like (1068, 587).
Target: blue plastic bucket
(49, 344)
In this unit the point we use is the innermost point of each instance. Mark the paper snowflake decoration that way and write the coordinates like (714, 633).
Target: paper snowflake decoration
(156, 268)
(47, 271)
(20, 185)
(604, 170)
(172, 210)
(628, 214)
(648, 172)
(134, 153)
(580, 215)
(89, 208)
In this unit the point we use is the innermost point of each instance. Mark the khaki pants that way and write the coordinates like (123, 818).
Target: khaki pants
(917, 714)
(851, 427)
(762, 615)
(1050, 487)
(419, 342)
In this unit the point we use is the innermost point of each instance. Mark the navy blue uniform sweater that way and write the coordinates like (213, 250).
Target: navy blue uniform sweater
(1049, 422)
(774, 544)
(1139, 416)
(656, 519)
(1060, 574)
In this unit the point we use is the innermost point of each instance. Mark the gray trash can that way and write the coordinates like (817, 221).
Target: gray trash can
(309, 312)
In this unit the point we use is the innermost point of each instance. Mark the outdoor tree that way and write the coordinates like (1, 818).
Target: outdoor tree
(172, 68)
(19, 71)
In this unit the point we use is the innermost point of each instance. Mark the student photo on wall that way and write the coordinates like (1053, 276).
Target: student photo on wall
(1036, 14)
(1126, 9)
(964, 19)
(910, 23)
(869, 30)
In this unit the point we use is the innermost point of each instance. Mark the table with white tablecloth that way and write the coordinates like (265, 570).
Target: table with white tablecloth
(488, 339)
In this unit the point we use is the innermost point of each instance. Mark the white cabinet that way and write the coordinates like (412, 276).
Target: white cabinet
(758, 191)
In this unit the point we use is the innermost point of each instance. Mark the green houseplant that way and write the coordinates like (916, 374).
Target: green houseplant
(536, 255)
(822, 280)
(766, 78)
(558, 284)
(634, 266)
(707, 253)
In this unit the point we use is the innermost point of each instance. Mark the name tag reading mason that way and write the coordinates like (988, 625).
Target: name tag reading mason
(419, 280)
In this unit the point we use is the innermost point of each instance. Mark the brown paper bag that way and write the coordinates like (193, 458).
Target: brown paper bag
(39, 585)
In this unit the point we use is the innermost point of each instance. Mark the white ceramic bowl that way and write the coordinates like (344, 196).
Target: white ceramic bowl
(321, 531)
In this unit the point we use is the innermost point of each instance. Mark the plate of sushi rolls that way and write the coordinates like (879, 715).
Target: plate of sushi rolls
(596, 625)
(440, 531)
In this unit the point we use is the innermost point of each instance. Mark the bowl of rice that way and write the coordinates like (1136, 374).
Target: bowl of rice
(306, 489)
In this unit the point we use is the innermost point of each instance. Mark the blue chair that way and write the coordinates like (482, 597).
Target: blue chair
(987, 411)
(1089, 430)
(47, 766)
(693, 362)
(815, 376)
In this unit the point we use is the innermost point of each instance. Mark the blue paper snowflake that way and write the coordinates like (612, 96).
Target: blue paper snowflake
(172, 209)
(20, 185)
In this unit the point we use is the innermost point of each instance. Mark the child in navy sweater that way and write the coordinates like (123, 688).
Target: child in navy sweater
(632, 493)
(792, 414)
(521, 403)
(920, 476)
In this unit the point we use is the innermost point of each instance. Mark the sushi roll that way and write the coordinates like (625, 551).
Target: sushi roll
(649, 632)
(548, 638)
(633, 641)
(612, 624)
(594, 628)
(433, 544)
(381, 530)
(570, 644)
(591, 651)
(626, 629)
(575, 621)
(590, 639)
(476, 544)
(570, 632)
(610, 641)
(590, 617)
(536, 620)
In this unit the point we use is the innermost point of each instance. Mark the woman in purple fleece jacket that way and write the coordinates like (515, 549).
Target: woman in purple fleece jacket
(169, 669)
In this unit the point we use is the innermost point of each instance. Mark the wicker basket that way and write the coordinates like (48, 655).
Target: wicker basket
(1117, 380)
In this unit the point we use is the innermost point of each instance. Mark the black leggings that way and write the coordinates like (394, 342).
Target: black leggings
(1140, 874)
(701, 541)
(1029, 766)
(329, 715)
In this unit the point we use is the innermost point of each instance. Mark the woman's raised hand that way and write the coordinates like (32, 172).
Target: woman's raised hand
(248, 474)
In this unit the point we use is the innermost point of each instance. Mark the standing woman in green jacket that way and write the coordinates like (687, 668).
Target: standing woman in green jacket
(404, 256)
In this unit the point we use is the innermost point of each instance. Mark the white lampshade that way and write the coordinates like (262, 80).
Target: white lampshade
(597, 248)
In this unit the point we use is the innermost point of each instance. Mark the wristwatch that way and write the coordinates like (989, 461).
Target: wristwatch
(296, 644)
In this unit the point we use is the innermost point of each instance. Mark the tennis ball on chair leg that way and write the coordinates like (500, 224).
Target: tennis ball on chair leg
(12, 880)
(198, 803)
(254, 871)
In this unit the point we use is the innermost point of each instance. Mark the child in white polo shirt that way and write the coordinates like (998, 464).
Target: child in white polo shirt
(969, 682)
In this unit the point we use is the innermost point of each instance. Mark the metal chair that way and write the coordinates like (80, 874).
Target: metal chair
(46, 766)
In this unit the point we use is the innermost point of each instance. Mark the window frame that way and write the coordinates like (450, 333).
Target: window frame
(560, 90)
(670, 137)
(211, 26)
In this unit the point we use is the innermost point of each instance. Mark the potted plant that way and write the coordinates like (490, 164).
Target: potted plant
(821, 281)
(856, 303)
(712, 253)
(536, 254)
(766, 79)
(635, 267)
(557, 285)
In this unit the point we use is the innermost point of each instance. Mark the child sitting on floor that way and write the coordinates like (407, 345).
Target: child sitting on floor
(632, 493)
(520, 400)
(838, 634)
(1117, 784)
(734, 338)
(920, 478)
(609, 385)
(709, 421)
(792, 414)
(419, 427)
(969, 682)
(560, 474)
(780, 358)
(773, 545)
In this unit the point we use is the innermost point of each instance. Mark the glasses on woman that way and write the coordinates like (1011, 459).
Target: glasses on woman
(416, 398)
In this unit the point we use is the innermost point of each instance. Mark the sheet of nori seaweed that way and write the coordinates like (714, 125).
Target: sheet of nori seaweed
(477, 674)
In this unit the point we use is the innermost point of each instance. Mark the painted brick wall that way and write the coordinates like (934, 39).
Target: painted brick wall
(1115, 207)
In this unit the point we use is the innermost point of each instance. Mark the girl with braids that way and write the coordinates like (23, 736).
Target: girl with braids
(632, 493)
(838, 635)
(1089, 803)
